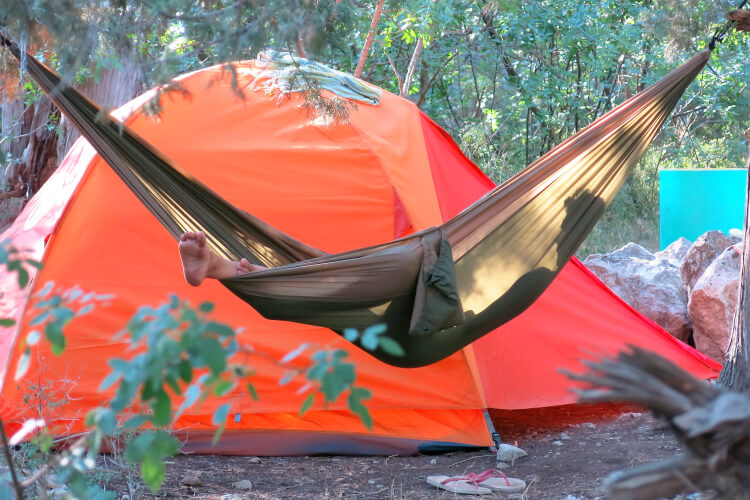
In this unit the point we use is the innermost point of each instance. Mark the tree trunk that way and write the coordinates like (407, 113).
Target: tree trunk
(736, 372)
(37, 138)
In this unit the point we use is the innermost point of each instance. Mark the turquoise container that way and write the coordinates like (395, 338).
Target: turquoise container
(693, 201)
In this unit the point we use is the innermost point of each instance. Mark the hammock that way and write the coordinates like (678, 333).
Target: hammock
(437, 290)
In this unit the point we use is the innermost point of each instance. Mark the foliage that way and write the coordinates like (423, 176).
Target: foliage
(182, 356)
(507, 79)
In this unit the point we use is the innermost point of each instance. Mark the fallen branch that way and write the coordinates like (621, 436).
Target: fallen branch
(713, 424)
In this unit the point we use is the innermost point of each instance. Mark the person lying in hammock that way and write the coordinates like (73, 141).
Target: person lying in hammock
(199, 262)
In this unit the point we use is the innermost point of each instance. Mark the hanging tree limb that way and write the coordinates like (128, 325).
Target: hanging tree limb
(368, 42)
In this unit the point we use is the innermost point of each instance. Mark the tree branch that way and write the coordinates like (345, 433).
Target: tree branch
(368, 42)
(410, 72)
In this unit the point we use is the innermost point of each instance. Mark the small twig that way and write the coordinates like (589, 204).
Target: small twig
(467, 459)
(284, 488)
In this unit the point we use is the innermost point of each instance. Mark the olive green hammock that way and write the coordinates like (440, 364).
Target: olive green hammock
(437, 290)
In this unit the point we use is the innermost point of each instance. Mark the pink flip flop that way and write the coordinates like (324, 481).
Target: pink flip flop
(497, 481)
(458, 485)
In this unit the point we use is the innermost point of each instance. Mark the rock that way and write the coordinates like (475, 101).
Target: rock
(230, 496)
(649, 284)
(564, 436)
(243, 485)
(736, 235)
(676, 252)
(557, 443)
(433, 461)
(701, 254)
(713, 302)
(509, 453)
(256, 460)
(588, 425)
(629, 415)
(501, 465)
(191, 479)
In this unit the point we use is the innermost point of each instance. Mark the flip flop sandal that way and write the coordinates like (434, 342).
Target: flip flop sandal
(497, 481)
(458, 485)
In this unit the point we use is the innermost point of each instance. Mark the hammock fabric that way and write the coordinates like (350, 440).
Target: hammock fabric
(437, 290)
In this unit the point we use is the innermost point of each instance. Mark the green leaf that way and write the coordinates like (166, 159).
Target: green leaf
(351, 334)
(162, 409)
(220, 419)
(85, 310)
(206, 307)
(220, 415)
(23, 277)
(53, 332)
(252, 391)
(213, 354)
(109, 380)
(105, 420)
(186, 371)
(378, 329)
(223, 387)
(136, 448)
(191, 396)
(307, 404)
(152, 470)
(356, 395)
(23, 364)
(219, 328)
(33, 337)
(391, 346)
(136, 421)
(331, 386)
(7, 322)
(369, 340)
(295, 353)
(345, 372)
(34, 263)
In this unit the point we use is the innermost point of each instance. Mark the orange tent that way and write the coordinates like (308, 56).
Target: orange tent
(390, 171)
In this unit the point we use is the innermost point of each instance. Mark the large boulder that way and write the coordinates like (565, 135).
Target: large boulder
(713, 301)
(676, 252)
(649, 284)
(701, 254)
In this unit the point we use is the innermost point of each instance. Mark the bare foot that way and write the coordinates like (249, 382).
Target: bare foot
(244, 267)
(195, 256)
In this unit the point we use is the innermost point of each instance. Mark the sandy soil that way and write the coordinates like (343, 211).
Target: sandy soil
(571, 450)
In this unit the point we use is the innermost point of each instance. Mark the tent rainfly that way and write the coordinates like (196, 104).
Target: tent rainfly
(389, 172)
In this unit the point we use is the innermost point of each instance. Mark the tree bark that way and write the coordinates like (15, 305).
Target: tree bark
(368, 41)
(40, 137)
(736, 372)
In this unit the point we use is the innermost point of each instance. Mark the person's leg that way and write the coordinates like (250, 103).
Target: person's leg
(199, 263)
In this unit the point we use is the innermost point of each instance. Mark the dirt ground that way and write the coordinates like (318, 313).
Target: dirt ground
(570, 452)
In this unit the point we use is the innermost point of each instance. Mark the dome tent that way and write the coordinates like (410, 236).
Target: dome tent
(388, 172)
